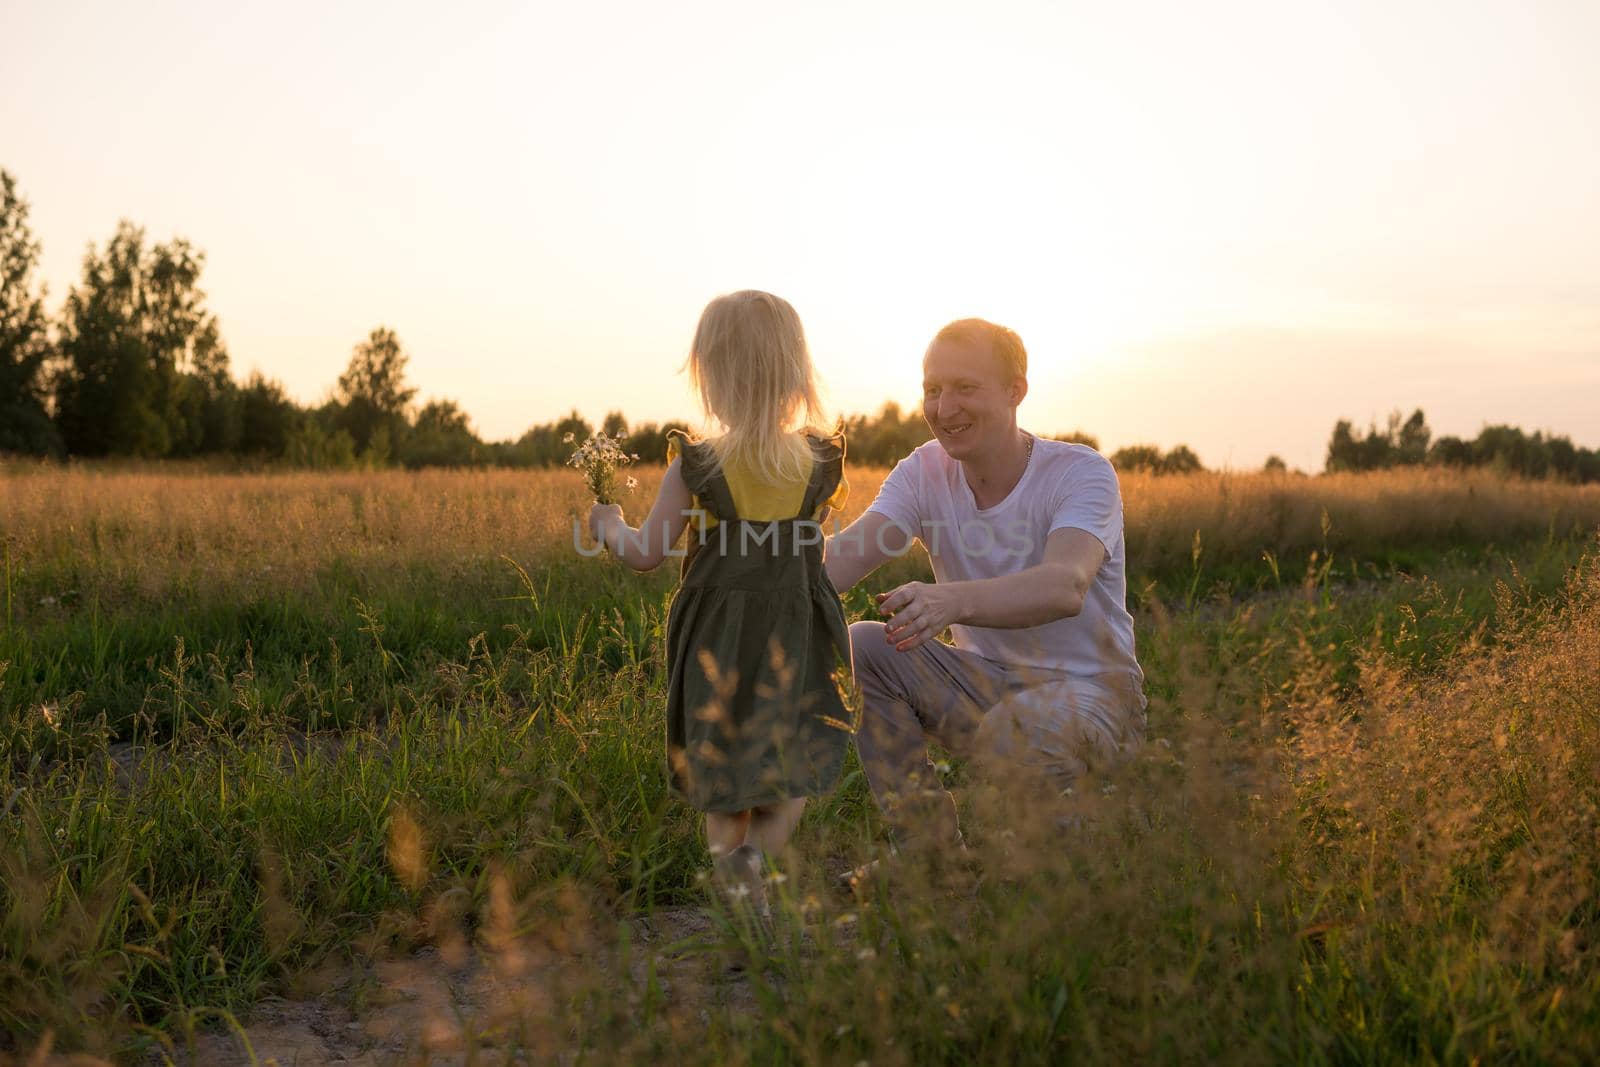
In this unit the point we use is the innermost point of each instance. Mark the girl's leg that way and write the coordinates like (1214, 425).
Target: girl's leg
(735, 860)
(771, 825)
(725, 831)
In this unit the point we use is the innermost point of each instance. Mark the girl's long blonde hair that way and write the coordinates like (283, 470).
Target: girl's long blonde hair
(753, 371)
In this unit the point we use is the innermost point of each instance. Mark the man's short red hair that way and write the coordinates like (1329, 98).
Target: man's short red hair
(1002, 341)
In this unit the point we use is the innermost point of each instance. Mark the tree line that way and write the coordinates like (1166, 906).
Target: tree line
(135, 365)
(1410, 443)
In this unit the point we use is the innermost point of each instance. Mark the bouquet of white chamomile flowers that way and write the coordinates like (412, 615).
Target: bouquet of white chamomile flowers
(598, 458)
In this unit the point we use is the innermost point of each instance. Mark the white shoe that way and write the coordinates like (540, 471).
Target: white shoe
(738, 876)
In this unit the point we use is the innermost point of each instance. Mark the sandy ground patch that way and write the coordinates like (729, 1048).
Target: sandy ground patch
(438, 1006)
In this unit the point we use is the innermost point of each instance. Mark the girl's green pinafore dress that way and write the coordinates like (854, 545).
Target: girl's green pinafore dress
(754, 635)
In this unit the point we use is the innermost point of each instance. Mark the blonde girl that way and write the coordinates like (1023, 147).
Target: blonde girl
(755, 724)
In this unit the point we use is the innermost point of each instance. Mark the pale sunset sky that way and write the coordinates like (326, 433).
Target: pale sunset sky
(1223, 224)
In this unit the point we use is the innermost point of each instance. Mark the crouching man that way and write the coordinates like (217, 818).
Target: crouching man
(1025, 538)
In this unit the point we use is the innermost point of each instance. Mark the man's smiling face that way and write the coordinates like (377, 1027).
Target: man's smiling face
(969, 398)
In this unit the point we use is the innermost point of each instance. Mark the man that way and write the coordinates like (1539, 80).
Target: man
(1025, 538)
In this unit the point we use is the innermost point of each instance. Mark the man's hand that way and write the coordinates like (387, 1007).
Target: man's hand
(918, 612)
(1051, 590)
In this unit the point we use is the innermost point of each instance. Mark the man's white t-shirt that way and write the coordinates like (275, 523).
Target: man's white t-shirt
(1064, 486)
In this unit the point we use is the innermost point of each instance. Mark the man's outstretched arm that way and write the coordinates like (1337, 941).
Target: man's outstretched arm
(1052, 589)
(863, 546)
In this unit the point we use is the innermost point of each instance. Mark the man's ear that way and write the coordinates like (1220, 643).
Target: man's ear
(1019, 389)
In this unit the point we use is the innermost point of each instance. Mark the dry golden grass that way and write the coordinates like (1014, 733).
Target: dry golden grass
(1239, 516)
(1451, 829)
(142, 531)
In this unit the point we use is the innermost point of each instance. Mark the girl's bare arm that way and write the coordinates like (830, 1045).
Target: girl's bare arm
(644, 548)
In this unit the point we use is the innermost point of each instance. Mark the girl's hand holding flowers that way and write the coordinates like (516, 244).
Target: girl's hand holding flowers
(598, 458)
(603, 518)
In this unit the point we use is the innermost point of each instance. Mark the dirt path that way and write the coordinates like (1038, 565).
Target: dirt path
(435, 1005)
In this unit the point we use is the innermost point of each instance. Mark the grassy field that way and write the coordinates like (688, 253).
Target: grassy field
(265, 738)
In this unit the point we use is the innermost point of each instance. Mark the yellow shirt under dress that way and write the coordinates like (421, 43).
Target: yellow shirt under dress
(763, 501)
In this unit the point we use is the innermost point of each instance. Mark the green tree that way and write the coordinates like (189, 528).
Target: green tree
(208, 400)
(1410, 438)
(267, 418)
(648, 440)
(143, 369)
(25, 424)
(1078, 437)
(1399, 443)
(1511, 451)
(372, 395)
(1137, 458)
(1275, 465)
(1181, 459)
(545, 445)
(312, 445)
(884, 440)
(573, 424)
(1451, 452)
(1344, 452)
(442, 437)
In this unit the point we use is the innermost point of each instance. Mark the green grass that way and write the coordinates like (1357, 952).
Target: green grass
(512, 715)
